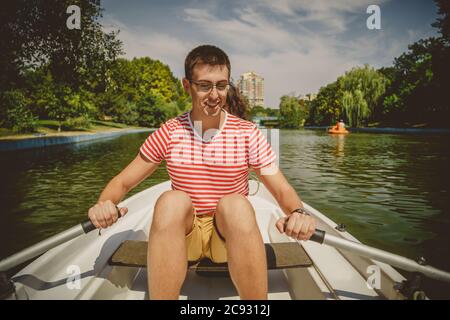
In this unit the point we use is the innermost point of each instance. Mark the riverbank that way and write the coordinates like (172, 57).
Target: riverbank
(389, 130)
(40, 140)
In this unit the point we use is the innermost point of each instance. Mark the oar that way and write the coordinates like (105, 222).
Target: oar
(392, 259)
(45, 245)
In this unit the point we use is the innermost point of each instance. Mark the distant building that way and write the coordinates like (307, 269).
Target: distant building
(251, 86)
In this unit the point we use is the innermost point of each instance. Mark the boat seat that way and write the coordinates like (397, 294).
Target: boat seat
(281, 255)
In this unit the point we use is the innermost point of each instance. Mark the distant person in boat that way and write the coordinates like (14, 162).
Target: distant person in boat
(208, 152)
(340, 126)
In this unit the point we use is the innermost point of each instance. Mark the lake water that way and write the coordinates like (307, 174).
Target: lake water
(391, 191)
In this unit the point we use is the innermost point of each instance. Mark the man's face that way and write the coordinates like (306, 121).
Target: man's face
(207, 100)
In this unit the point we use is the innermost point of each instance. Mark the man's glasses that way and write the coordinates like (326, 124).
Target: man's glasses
(206, 86)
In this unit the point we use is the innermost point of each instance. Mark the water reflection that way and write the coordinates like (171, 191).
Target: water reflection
(390, 190)
(340, 142)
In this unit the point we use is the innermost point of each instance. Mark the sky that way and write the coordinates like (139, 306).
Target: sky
(297, 46)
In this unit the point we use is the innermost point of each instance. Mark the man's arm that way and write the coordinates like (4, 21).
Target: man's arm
(104, 213)
(282, 191)
(297, 226)
(137, 170)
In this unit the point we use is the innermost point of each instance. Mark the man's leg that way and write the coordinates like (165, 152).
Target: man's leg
(236, 221)
(166, 256)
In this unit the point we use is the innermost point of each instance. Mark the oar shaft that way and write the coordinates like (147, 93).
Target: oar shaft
(45, 245)
(386, 257)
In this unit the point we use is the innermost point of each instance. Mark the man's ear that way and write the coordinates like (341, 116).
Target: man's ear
(186, 85)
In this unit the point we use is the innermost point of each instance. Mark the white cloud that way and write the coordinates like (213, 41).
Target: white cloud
(289, 59)
(140, 42)
(334, 15)
(296, 45)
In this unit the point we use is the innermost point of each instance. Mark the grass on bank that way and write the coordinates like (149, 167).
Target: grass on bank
(50, 128)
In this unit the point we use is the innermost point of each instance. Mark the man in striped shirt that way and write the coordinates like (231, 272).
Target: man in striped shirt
(208, 153)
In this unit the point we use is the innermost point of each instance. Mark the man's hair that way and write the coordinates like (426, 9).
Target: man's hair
(208, 54)
(205, 54)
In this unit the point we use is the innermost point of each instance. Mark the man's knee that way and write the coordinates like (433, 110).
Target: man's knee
(235, 213)
(234, 201)
(172, 209)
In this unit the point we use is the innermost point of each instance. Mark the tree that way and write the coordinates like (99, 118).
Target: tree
(142, 86)
(154, 110)
(361, 89)
(34, 34)
(419, 90)
(271, 112)
(355, 107)
(15, 114)
(291, 114)
(327, 106)
(258, 111)
(443, 23)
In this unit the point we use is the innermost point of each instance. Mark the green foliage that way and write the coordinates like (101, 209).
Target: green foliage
(143, 91)
(76, 123)
(419, 88)
(14, 112)
(443, 23)
(327, 106)
(74, 76)
(127, 111)
(273, 112)
(258, 111)
(416, 89)
(34, 34)
(154, 110)
(65, 105)
(361, 89)
(292, 112)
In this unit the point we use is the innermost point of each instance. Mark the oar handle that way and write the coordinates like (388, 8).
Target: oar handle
(87, 226)
(318, 236)
(47, 244)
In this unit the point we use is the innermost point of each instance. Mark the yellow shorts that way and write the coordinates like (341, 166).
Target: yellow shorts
(205, 241)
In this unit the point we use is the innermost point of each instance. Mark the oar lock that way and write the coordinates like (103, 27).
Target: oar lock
(341, 227)
(422, 261)
(412, 287)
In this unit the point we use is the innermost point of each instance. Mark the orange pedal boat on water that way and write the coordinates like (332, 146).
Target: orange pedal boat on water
(333, 130)
(339, 128)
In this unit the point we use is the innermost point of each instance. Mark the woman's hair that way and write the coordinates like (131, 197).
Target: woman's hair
(236, 104)
(214, 56)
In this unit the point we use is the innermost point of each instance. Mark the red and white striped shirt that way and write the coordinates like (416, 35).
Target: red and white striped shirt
(208, 169)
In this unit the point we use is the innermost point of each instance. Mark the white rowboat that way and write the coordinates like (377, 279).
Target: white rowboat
(80, 268)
